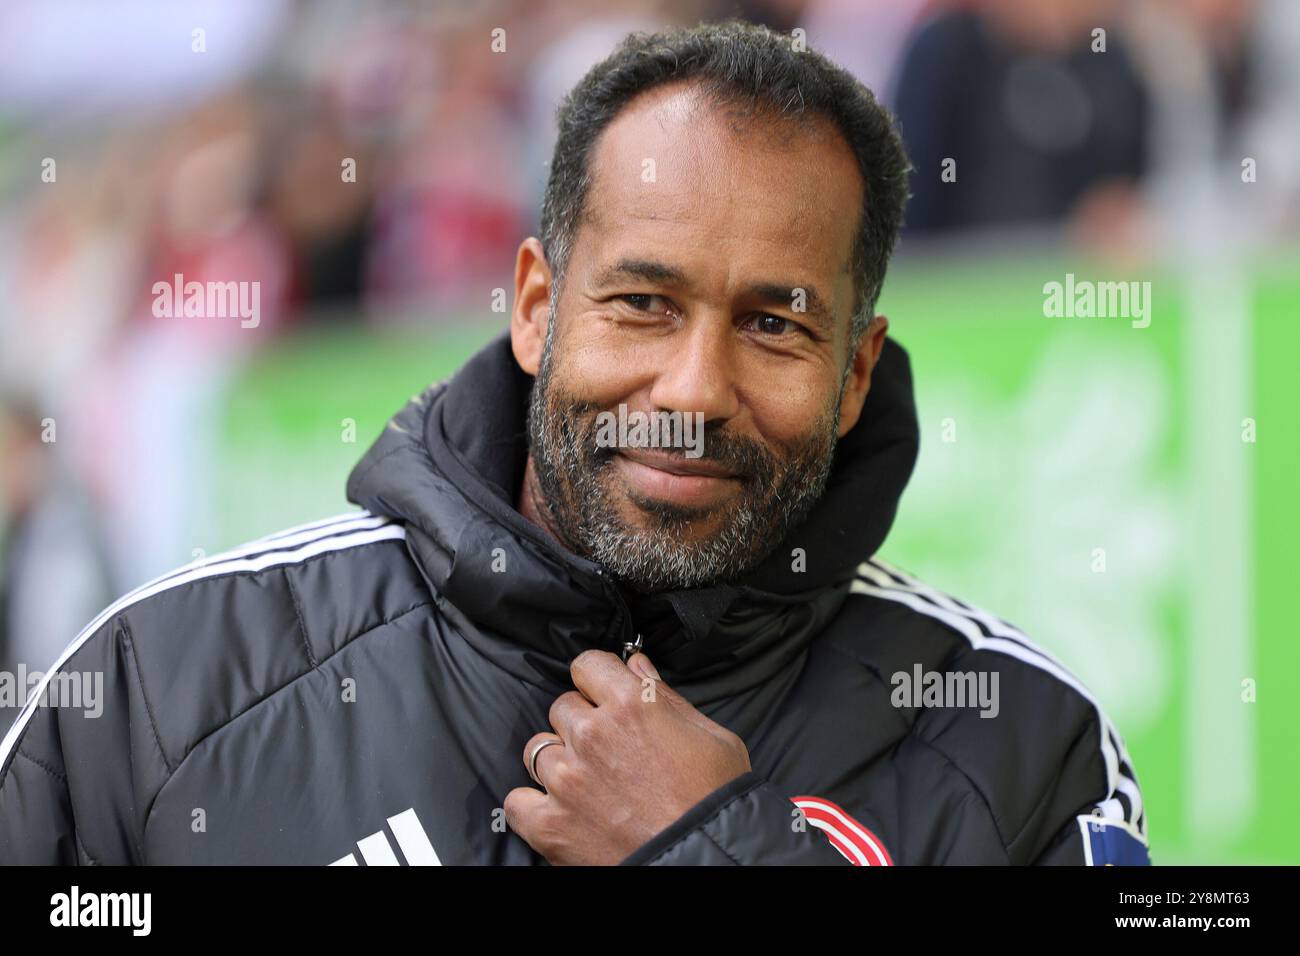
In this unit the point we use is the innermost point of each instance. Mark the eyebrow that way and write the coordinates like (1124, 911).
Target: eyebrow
(640, 269)
(769, 293)
(783, 295)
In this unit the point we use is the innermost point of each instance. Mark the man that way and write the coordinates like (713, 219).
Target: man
(538, 644)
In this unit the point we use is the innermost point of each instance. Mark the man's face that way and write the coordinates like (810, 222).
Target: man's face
(710, 276)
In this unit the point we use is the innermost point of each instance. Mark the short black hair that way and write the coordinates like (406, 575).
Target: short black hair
(744, 63)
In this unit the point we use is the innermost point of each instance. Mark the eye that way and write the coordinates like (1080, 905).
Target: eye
(774, 325)
(642, 302)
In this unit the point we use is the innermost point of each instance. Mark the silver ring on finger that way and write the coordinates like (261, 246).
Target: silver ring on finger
(532, 758)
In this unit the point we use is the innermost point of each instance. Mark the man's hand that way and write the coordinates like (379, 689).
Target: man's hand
(634, 756)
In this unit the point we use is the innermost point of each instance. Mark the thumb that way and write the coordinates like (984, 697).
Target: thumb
(642, 666)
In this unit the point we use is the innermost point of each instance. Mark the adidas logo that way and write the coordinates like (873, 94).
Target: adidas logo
(411, 839)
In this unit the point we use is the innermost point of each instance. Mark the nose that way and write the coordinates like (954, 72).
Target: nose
(699, 372)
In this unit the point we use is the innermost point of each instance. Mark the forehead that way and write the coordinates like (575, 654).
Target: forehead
(679, 175)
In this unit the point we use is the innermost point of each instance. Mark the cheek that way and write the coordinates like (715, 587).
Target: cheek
(786, 426)
(786, 411)
(606, 367)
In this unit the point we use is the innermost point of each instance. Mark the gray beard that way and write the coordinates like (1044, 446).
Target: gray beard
(575, 475)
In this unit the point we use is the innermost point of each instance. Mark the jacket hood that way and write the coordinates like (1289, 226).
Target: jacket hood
(450, 464)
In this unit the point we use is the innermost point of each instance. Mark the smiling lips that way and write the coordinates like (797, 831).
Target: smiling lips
(675, 478)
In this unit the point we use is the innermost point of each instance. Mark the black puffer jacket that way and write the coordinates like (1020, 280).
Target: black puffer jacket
(360, 690)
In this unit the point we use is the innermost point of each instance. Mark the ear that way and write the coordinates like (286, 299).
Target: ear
(532, 305)
(859, 381)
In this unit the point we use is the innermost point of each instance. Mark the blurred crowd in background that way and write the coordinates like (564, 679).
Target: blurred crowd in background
(224, 163)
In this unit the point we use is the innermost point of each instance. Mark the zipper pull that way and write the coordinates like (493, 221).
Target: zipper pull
(631, 647)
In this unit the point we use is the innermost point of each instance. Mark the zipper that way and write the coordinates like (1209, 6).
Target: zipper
(628, 647)
(631, 647)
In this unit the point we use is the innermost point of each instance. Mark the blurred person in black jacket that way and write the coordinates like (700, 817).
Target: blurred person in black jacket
(1015, 113)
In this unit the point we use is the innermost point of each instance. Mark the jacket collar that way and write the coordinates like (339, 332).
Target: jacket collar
(450, 465)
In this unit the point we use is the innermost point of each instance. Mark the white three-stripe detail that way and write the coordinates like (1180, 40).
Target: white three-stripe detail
(325, 540)
(877, 583)
(411, 838)
(376, 851)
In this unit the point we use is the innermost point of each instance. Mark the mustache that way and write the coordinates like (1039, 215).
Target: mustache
(749, 460)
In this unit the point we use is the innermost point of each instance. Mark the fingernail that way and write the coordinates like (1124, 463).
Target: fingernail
(645, 668)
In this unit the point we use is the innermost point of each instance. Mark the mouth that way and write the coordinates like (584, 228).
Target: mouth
(672, 478)
(678, 464)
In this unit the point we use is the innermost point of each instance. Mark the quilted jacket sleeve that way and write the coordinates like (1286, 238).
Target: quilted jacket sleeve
(35, 810)
(71, 778)
(743, 823)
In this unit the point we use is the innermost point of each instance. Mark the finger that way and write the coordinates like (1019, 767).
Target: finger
(642, 665)
(603, 678)
(567, 709)
(536, 761)
(524, 807)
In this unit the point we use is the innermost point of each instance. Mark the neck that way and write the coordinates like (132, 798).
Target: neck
(533, 506)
